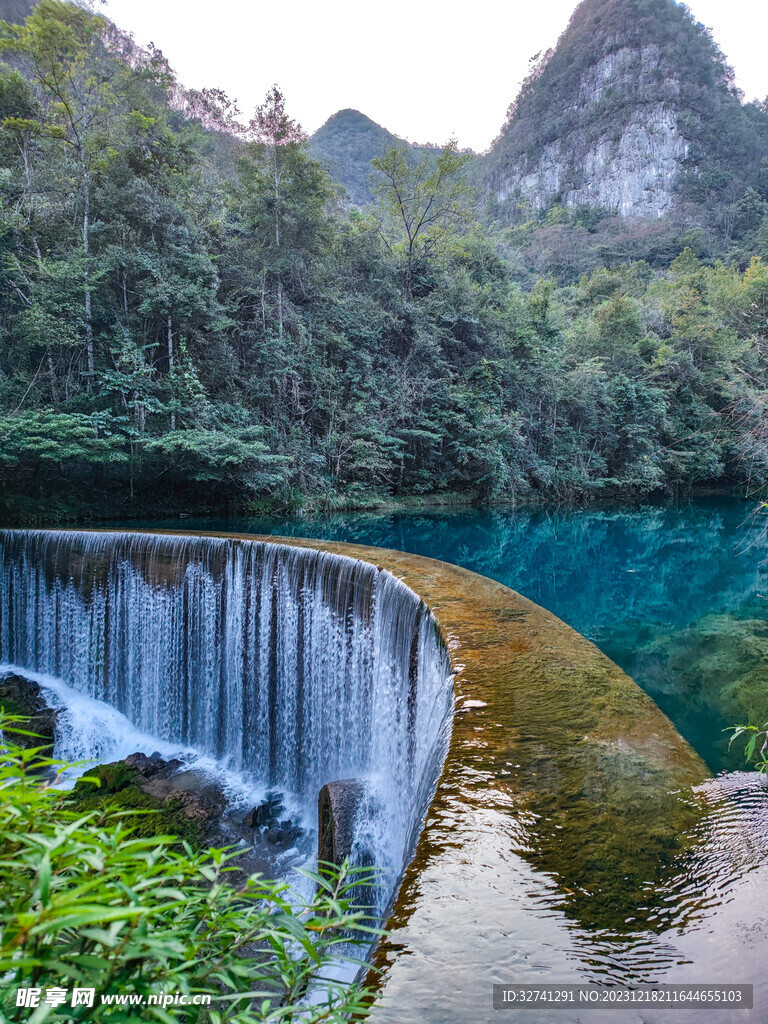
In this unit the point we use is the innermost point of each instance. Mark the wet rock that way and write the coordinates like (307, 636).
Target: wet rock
(339, 804)
(146, 766)
(190, 792)
(168, 768)
(189, 805)
(285, 834)
(194, 806)
(111, 778)
(20, 696)
(154, 765)
(266, 814)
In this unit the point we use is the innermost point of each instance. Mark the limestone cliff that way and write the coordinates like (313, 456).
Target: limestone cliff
(633, 105)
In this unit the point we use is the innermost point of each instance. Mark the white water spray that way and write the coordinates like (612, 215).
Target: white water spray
(285, 666)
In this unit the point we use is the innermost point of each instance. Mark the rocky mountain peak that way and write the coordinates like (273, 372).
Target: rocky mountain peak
(346, 144)
(635, 99)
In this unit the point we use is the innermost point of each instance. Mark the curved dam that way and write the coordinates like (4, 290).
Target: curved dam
(286, 667)
(571, 834)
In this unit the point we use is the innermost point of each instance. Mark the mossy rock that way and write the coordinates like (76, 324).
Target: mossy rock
(24, 698)
(724, 660)
(120, 790)
(112, 778)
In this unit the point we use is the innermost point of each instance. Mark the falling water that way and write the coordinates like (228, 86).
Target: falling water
(287, 666)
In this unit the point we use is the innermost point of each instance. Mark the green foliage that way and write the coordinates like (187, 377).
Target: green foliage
(86, 902)
(756, 749)
(423, 205)
(192, 324)
(210, 454)
(31, 438)
(347, 143)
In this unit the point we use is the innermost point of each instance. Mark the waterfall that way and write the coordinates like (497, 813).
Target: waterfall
(290, 666)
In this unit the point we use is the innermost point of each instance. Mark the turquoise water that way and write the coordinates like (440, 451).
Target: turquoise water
(677, 596)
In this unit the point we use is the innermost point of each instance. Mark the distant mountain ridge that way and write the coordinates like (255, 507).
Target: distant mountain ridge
(634, 112)
(347, 143)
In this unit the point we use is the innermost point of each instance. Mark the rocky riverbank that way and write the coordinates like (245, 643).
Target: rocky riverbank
(24, 698)
(164, 796)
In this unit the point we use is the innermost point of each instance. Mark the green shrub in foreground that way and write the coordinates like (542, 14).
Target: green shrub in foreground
(84, 902)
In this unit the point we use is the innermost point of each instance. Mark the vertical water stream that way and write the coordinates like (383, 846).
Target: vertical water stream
(290, 666)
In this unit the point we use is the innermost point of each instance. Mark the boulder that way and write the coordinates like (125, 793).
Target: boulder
(20, 696)
(190, 805)
(154, 765)
(190, 792)
(195, 806)
(266, 813)
(338, 807)
(146, 766)
(168, 769)
(284, 834)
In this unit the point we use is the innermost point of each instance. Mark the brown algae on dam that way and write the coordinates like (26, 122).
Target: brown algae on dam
(559, 819)
(570, 835)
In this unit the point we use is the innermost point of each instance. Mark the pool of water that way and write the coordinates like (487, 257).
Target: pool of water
(676, 595)
(539, 861)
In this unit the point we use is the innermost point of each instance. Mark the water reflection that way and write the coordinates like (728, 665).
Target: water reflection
(540, 861)
(517, 922)
(677, 596)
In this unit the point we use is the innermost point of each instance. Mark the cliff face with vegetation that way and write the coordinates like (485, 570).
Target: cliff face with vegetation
(630, 168)
(15, 11)
(632, 112)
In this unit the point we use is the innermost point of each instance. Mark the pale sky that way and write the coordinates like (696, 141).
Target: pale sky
(428, 70)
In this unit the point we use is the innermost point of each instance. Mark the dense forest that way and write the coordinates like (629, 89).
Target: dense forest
(193, 317)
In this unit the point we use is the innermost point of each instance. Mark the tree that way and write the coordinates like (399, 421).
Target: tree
(277, 139)
(281, 218)
(71, 64)
(421, 204)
